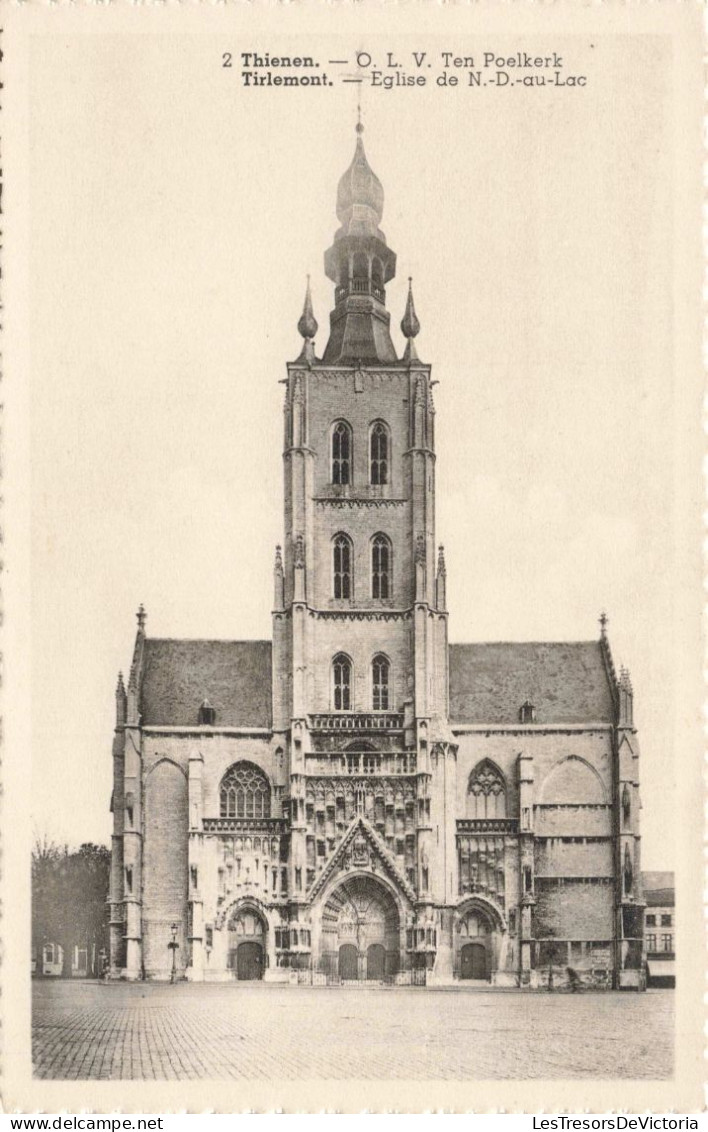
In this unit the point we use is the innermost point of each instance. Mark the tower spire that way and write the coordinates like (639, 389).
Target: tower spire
(410, 325)
(307, 324)
(360, 263)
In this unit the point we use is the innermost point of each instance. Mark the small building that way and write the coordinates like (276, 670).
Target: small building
(660, 929)
(84, 960)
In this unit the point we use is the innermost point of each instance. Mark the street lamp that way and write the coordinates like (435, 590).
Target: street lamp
(173, 945)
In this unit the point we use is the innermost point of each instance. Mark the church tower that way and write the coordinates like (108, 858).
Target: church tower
(360, 670)
(357, 800)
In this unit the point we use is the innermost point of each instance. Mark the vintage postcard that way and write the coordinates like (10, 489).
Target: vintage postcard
(353, 450)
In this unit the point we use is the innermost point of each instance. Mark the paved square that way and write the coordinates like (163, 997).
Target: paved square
(246, 1031)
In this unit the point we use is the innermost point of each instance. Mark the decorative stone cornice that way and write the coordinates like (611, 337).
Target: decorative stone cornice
(360, 614)
(341, 501)
(378, 374)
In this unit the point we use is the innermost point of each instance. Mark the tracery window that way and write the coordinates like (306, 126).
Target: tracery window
(244, 792)
(486, 792)
(380, 669)
(342, 566)
(342, 681)
(379, 454)
(381, 567)
(341, 453)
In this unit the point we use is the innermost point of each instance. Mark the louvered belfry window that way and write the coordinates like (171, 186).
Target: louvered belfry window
(380, 567)
(379, 454)
(342, 567)
(341, 453)
(342, 680)
(380, 674)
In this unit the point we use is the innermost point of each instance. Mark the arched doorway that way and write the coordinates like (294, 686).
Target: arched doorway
(473, 961)
(360, 932)
(475, 938)
(247, 938)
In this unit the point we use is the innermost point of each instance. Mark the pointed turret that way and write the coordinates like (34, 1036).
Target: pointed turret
(121, 700)
(134, 679)
(626, 699)
(307, 325)
(278, 580)
(360, 264)
(410, 326)
(441, 580)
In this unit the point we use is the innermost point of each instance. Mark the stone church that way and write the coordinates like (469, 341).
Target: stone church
(358, 799)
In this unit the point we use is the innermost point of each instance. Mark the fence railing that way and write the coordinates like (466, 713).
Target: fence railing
(357, 721)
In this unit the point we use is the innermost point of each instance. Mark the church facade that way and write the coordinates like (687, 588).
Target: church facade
(358, 799)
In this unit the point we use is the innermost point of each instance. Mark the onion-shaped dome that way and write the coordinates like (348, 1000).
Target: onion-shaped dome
(409, 324)
(359, 186)
(307, 324)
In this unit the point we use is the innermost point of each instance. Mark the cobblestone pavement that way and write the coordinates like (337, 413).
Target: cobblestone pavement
(245, 1031)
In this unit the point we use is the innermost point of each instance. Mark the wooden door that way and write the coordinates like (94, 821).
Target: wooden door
(375, 961)
(473, 961)
(249, 961)
(348, 962)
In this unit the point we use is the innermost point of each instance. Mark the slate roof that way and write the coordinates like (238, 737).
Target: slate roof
(566, 682)
(660, 898)
(658, 889)
(235, 676)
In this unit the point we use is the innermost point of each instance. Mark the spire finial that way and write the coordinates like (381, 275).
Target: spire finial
(409, 323)
(359, 125)
(141, 617)
(307, 323)
(441, 559)
(603, 624)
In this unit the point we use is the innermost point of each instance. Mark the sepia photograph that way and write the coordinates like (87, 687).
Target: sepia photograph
(363, 645)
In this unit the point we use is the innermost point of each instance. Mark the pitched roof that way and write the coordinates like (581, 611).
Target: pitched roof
(658, 889)
(565, 681)
(235, 676)
(660, 898)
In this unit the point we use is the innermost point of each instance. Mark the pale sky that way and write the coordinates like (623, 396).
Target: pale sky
(174, 218)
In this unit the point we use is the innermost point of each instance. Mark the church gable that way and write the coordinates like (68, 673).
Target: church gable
(361, 848)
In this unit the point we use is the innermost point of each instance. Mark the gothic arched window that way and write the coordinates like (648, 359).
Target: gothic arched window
(341, 453)
(486, 792)
(381, 567)
(244, 792)
(379, 453)
(342, 682)
(342, 566)
(380, 670)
